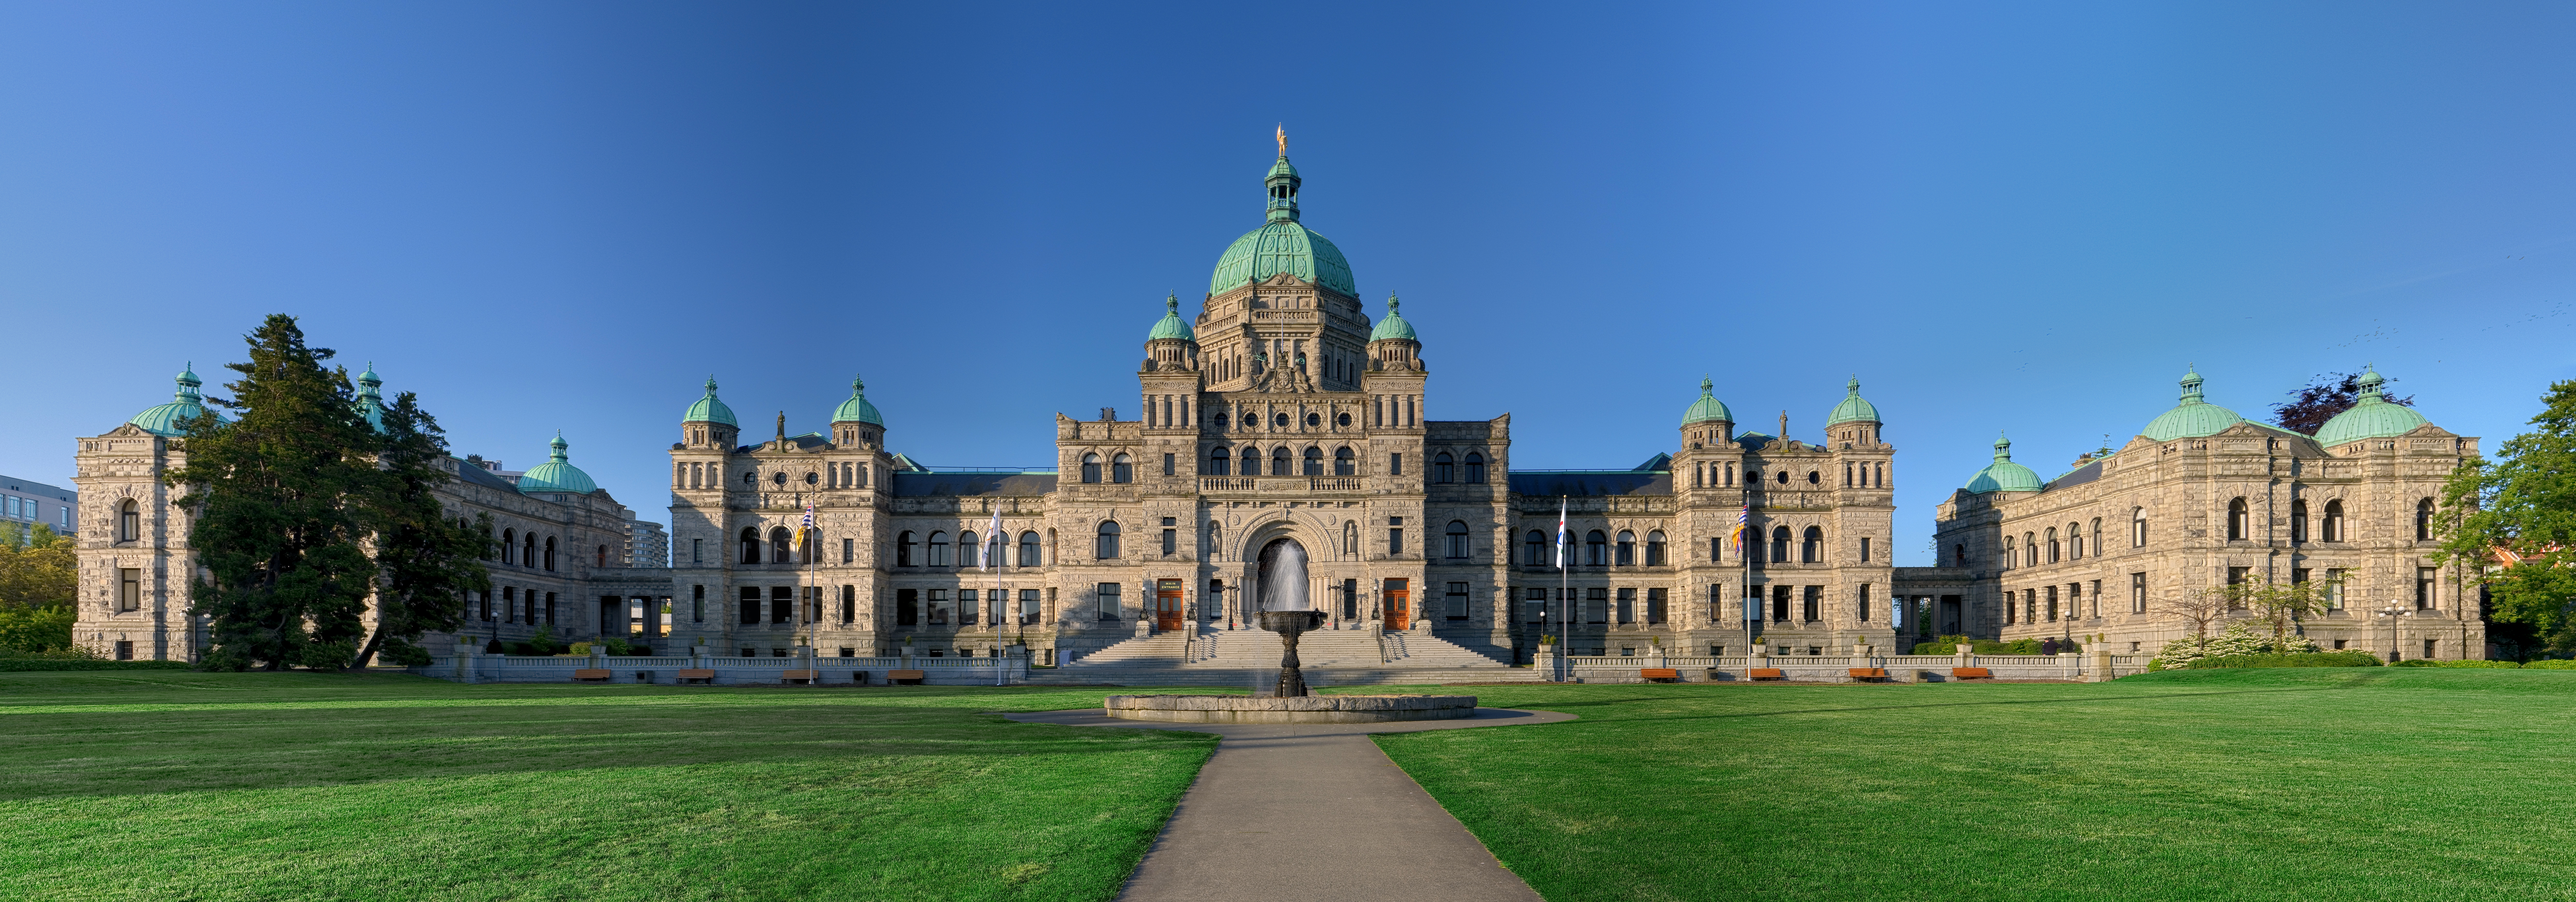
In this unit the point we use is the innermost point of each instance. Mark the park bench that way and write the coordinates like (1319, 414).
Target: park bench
(899, 676)
(1659, 673)
(1766, 673)
(807, 677)
(1971, 673)
(1869, 673)
(698, 676)
(590, 675)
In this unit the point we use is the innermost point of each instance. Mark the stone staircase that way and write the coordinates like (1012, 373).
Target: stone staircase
(1250, 658)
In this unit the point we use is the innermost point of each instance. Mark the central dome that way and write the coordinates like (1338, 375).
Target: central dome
(1283, 245)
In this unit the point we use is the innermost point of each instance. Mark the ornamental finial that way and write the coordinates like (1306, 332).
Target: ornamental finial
(1283, 140)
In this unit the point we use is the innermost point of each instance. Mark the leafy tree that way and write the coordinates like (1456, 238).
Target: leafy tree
(2520, 509)
(38, 569)
(2277, 605)
(24, 629)
(425, 561)
(2331, 393)
(277, 523)
(2200, 609)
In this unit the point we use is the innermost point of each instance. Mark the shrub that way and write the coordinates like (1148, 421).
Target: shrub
(30, 664)
(2417, 662)
(2236, 641)
(2494, 665)
(2558, 664)
(27, 629)
(2312, 659)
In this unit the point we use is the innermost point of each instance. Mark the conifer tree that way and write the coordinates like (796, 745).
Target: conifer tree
(425, 561)
(277, 503)
(2523, 503)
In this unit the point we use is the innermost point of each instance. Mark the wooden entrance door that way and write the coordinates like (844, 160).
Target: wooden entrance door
(1167, 605)
(1398, 599)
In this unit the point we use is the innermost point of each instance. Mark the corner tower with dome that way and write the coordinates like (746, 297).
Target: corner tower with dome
(2201, 498)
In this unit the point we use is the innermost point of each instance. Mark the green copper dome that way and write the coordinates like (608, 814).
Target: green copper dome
(1708, 407)
(710, 410)
(2003, 475)
(1393, 326)
(2192, 418)
(1282, 245)
(172, 419)
(1853, 409)
(371, 398)
(857, 409)
(557, 474)
(1171, 325)
(2371, 416)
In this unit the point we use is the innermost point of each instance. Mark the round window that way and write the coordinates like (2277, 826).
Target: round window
(1314, 419)
(1220, 421)
(1814, 479)
(779, 477)
(1281, 420)
(1344, 419)
(812, 478)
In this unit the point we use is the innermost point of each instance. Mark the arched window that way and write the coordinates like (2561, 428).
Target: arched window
(1443, 469)
(2332, 530)
(1627, 550)
(2012, 555)
(1217, 461)
(1314, 461)
(1534, 549)
(510, 546)
(1780, 544)
(1107, 546)
(2424, 520)
(2030, 549)
(1812, 549)
(2137, 527)
(968, 547)
(603, 556)
(781, 546)
(550, 552)
(1596, 549)
(2238, 523)
(2298, 521)
(750, 545)
(1029, 549)
(528, 550)
(903, 548)
(129, 521)
(1475, 468)
(1655, 548)
(2099, 546)
(1351, 538)
(1122, 469)
(1090, 467)
(938, 549)
(812, 553)
(1342, 462)
(2051, 538)
(2074, 541)
(1959, 553)
(1457, 539)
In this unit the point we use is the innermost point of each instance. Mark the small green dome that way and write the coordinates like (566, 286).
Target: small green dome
(710, 410)
(557, 474)
(1393, 326)
(2192, 418)
(171, 419)
(1708, 408)
(371, 398)
(1282, 245)
(1853, 409)
(857, 409)
(2370, 416)
(2003, 475)
(1171, 325)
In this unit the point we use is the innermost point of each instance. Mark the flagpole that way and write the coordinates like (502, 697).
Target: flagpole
(1564, 539)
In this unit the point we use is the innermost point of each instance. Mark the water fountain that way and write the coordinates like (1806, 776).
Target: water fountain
(1285, 609)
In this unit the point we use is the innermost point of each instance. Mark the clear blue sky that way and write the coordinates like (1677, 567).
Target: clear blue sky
(2027, 218)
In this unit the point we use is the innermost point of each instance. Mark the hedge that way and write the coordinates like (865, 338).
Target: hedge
(28, 665)
(2557, 664)
(2497, 665)
(2311, 659)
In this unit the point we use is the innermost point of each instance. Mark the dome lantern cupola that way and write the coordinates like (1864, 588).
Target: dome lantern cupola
(1282, 245)
(1708, 409)
(1171, 345)
(371, 398)
(171, 419)
(2003, 475)
(2193, 418)
(557, 474)
(2371, 415)
(1392, 344)
(708, 421)
(1855, 420)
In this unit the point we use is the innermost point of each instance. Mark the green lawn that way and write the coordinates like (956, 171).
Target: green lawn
(2361, 783)
(156, 785)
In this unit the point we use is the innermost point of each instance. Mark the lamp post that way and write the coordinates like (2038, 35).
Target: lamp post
(2391, 612)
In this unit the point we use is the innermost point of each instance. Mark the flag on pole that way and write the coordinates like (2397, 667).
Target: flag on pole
(1564, 537)
(802, 529)
(993, 544)
(1741, 514)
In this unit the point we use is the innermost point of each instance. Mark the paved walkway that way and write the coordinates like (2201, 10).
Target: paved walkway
(1293, 812)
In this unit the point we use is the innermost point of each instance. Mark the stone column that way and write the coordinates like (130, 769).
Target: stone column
(466, 665)
(1964, 659)
(2101, 665)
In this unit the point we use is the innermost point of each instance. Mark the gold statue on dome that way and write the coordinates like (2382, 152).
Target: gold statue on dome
(1283, 139)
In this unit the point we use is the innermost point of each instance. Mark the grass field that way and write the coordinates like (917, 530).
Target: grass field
(2360, 783)
(307, 786)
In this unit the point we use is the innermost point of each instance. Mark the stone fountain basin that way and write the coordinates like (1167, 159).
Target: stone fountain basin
(1308, 709)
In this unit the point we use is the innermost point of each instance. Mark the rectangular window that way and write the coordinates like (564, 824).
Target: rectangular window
(1395, 464)
(1107, 595)
(2049, 597)
(1627, 606)
(782, 604)
(938, 604)
(2097, 599)
(849, 605)
(2339, 644)
(2137, 593)
(2429, 649)
(1814, 602)
(1655, 602)
(1864, 553)
(1168, 465)
(1780, 604)
(129, 590)
(751, 604)
(1350, 601)
(1394, 535)
(550, 609)
(697, 604)
(509, 604)
(968, 606)
(2334, 590)
(1455, 605)
(849, 551)
(2298, 575)
(1535, 599)
(2425, 599)
(2030, 605)
(1171, 541)
(1864, 600)
(1596, 605)
(697, 551)
(1028, 606)
(124, 651)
